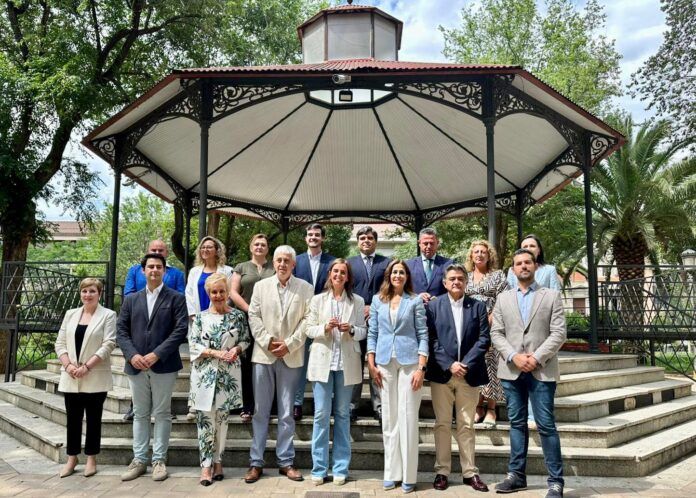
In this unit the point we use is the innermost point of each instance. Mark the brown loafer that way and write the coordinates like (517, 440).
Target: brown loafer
(440, 483)
(253, 474)
(476, 483)
(291, 473)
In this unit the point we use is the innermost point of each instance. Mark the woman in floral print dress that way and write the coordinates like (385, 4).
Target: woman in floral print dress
(485, 281)
(218, 337)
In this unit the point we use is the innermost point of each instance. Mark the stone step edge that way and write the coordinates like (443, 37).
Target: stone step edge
(55, 402)
(614, 393)
(603, 374)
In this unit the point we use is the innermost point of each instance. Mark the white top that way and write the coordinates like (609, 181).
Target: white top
(457, 310)
(336, 358)
(151, 298)
(314, 262)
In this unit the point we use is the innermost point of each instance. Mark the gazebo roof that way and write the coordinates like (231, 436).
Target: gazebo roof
(279, 147)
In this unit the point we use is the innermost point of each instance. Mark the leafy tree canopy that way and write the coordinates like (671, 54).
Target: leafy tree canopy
(666, 79)
(562, 46)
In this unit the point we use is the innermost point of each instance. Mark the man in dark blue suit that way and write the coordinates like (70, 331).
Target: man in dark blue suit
(368, 273)
(459, 338)
(428, 269)
(152, 324)
(313, 267)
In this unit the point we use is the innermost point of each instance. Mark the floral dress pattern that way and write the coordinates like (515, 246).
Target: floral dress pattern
(486, 291)
(216, 384)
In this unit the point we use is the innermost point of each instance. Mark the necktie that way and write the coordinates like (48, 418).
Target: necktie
(368, 266)
(429, 270)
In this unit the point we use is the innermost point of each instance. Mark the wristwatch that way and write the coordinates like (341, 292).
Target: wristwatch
(423, 368)
(351, 331)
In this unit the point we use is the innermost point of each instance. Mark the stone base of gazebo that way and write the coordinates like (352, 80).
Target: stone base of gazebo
(615, 419)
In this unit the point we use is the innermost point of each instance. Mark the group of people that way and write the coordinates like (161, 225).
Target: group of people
(258, 332)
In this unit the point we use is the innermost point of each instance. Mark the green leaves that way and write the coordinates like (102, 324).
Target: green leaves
(564, 47)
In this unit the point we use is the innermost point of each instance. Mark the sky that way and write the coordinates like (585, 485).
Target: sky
(637, 26)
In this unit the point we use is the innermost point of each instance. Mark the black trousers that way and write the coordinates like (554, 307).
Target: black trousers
(247, 375)
(77, 405)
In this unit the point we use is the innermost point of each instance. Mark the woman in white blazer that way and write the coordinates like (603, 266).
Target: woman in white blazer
(210, 258)
(84, 344)
(337, 324)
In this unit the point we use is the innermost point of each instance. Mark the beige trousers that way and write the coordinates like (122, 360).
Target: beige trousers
(456, 393)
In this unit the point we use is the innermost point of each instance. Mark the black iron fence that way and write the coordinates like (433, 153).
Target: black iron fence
(33, 299)
(653, 315)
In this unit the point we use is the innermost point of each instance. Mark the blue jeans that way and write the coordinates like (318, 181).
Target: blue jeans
(152, 396)
(323, 391)
(518, 392)
(300, 392)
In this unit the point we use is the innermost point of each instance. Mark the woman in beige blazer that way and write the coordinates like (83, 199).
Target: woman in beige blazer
(337, 324)
(84, 344)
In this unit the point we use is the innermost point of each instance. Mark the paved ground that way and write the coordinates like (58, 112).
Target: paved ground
(24, 472)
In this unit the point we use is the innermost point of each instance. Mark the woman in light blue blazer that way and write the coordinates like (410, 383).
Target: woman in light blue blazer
(397, 352)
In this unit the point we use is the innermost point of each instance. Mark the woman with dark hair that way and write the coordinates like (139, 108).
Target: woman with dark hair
(83, 346)
(546, 274)
(397, 354)
(243, 281)
(336, 323)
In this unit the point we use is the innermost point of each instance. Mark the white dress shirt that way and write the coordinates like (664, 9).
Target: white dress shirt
(152, 298)
(282, 293)
(457, 312)
(314, 262)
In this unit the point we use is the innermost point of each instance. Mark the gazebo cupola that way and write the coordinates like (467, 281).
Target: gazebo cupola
(350, 32)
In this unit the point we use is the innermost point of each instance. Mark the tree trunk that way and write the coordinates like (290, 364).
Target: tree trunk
(178, 247)
(629, 255)
(501, 229)
(213, 225)
(17, 235)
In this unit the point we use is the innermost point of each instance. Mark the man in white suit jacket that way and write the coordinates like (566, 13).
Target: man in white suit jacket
(528, 330)
(277, 313)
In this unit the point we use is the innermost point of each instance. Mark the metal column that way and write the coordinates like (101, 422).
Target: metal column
(206, 117)
(589, 241)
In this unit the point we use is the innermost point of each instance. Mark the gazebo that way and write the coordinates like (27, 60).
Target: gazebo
(354, 134)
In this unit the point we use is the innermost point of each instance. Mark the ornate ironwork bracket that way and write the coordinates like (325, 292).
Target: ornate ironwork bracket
(228, 99)
(466, 96)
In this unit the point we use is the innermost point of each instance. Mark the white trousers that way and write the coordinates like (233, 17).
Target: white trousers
(400, 405)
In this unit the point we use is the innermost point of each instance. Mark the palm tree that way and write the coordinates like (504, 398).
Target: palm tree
(643, 198)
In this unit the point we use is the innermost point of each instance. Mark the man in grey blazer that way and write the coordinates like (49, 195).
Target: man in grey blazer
(277, 312)
(152, 324)
(528, 330)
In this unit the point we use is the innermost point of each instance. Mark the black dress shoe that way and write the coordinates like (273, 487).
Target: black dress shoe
(476, 483)
(440, 483)
(297, 413)
(378, 414)
(128, 417)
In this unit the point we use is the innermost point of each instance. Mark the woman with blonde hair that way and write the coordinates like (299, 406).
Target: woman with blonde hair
(210, 258)
(244, 278)
(218, 336)
(84, 344)
(485, 281)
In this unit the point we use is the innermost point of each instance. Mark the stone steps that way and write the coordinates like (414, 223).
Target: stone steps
(604, 432)
(628, 460)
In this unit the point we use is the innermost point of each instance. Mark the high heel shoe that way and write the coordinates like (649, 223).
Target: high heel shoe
(218, 476)
(90, 467)
(67, 469)
(205, 479)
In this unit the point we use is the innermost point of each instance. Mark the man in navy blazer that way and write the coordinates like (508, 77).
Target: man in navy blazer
(459, 337)
(152, 324)
(428, 269)
(368, 274)
(313, 267)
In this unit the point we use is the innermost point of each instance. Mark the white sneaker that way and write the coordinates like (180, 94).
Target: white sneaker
(159, 471)
(135, 469)
(339, 480)
(317, 481)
